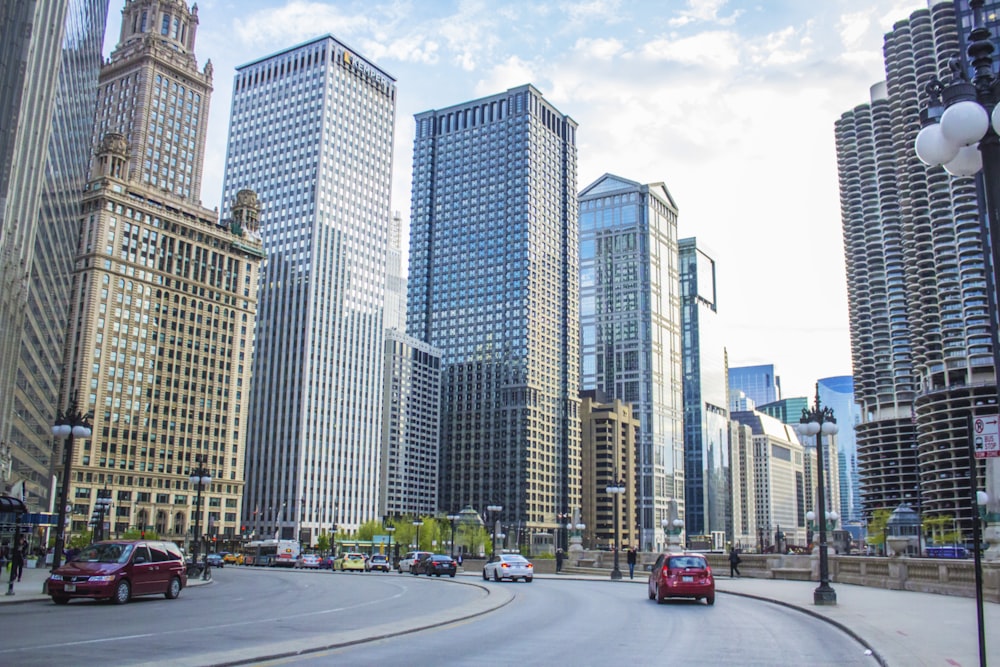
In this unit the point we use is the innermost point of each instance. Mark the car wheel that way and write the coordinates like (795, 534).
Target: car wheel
(710, 600)
(485, 578)
(649, 591)
(123, 592)
(496, 575)
(60, 599)
(529, 579)
(174, 589)
(452, 575)
(660, 597)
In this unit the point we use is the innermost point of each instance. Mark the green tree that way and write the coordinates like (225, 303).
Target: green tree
(876, 528)
(79, 540)
(942, 529)
(136, 534)
(323, 542)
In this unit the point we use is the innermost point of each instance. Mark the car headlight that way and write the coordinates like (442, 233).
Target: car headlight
(56, 577)
(103, 577)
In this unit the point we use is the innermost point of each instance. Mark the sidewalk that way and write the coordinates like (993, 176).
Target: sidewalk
(901, 627)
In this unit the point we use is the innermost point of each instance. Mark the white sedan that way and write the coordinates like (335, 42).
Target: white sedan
(508, 566)
(308, 560)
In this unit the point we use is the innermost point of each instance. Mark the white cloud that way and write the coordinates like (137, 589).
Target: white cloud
(715, 50)
(599, 48)
(508, 74)
(705, 11)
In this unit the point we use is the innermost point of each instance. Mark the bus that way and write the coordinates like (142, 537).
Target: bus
(281, 553)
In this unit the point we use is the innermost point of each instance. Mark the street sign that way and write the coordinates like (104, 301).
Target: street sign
(986, 436)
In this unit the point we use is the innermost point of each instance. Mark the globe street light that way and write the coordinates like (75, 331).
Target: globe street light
(817, 422)
(494, 511)
(417, 523)
(201, 478)
(102, 508)
(69, 424)
(616, 489)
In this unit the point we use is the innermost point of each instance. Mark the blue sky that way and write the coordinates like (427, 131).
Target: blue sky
(730, 103)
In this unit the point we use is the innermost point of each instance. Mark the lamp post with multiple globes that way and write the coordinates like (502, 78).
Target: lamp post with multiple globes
(818, 422)
(616, 489)
(69, 424)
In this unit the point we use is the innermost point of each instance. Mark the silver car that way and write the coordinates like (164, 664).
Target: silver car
(508, 566)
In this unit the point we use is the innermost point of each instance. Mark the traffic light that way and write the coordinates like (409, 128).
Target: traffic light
(142, 534)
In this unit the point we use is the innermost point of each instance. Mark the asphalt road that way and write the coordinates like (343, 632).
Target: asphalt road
(563, 622)
(245, 612)
(250, 613)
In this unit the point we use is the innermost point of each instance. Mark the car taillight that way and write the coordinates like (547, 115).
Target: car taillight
(530, 566)
(504, 565)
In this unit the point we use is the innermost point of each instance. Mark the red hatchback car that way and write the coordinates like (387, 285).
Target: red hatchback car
(684, 575)
(120, 570)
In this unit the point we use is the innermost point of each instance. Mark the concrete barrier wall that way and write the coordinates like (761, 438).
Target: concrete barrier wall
(946, 576)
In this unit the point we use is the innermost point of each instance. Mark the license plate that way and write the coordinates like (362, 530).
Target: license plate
(69, 588)
(687, 579)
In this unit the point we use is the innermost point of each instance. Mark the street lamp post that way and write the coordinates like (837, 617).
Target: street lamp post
(672, 530)
(102, 508)
(820, 421)
(615, 490)
(453, 518)
(201, 478)
(494, 511)
(391, 530)
(69, 424)
(417, 523)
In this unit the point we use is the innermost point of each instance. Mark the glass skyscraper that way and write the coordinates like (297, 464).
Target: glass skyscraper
(757, 382)
(630, 323)
(707, 481)
(41, 215)
(311, 131)
(494, 285)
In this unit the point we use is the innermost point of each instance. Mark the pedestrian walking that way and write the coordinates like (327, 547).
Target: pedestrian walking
(631, 562)
(559, 559)
(734, 562)
(17, 555)
(21, 558)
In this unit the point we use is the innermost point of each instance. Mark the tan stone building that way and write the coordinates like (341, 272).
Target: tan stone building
(164, 297)
(609, 431)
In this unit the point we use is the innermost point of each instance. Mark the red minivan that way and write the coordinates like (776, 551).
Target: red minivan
(119, 570)
(683, 575)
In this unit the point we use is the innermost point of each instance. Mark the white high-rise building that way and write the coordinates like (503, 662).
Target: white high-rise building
(311, 131)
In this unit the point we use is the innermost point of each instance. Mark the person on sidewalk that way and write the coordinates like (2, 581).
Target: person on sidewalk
(559, 559)
(20, 558)
(16, 565)
(631, 562)
(734, 562)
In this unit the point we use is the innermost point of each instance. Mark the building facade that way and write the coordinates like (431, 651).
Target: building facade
(54, 227)
(758, 383)
(917, 284)
(160, 339)
(707, 475)
(411, 427)
(494, 284)
(779, 479)
(311, 131)
(609, 457)
(630, 326)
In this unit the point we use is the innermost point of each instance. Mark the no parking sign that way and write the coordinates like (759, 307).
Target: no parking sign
(986, 436)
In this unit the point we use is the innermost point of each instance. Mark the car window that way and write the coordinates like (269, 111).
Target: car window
(141, 552)
(659, 562)
(159, 553)
(515, 559)
(105, 553)
(173, 551)
(686, 561)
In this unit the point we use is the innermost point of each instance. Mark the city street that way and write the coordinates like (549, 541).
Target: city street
(247, 614)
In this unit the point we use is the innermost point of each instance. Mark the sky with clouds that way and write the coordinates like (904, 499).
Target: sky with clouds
(729, 103)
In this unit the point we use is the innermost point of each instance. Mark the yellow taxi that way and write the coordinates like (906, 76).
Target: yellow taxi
(235, 559)
(350, 561)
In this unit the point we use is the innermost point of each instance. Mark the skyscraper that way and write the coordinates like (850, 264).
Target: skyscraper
(630, 325)
(311, 131)
(53, 224)
(494, 285)
(757, 382)
(917, 283)
(163, 301)
(707, 474)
